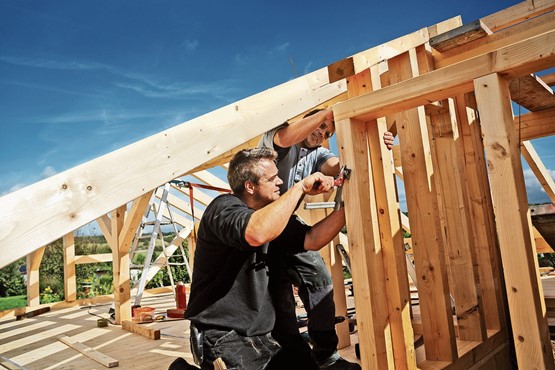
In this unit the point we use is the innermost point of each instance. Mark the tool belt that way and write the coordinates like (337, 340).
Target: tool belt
(196, 339)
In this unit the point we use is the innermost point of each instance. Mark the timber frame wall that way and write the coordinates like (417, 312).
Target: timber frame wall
(446, 91)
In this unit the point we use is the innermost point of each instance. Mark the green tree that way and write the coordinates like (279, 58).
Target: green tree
(11, 281)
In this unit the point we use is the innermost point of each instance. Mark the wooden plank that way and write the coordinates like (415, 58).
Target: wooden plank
(481, 208)
(141, 330)
(99, 357)
(523, 57)
(422, 204)
(531, 93)
(79, 195)
(448, 153)
(529, 327)
(32, 313)
(6, 363)
(93, 258)
(459, 36)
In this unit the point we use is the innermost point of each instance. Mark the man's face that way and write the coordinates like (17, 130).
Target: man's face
(267, 189)
(318, 136)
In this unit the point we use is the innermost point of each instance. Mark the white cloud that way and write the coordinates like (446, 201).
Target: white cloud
(534, 190)
(190, 45)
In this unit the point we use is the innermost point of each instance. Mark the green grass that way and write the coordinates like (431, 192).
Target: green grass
(7, 303)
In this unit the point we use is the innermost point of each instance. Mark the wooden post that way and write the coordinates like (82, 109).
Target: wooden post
(529, 326)
(481, 208)
(33, 287)
(422, 204)
(366, 253)
(70, 281)
(459, 244)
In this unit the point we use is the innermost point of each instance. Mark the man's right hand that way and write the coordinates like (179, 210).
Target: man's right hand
(317, 183)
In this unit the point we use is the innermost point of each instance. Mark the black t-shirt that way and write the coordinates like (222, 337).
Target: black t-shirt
(230, 278)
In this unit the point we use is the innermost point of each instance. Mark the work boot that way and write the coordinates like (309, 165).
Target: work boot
(341, 364)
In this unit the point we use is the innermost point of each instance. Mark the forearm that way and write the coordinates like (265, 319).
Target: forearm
(325, 231)
(268, 222)
(298, 131)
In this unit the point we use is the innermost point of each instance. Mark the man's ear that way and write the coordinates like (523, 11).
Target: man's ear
(249, 187)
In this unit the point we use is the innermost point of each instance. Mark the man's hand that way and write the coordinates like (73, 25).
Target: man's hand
(388, 139)
(317, 183)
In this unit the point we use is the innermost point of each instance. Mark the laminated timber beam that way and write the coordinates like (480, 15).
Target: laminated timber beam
(77, 196)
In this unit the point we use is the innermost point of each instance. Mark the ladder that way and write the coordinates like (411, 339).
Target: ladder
(162, 216)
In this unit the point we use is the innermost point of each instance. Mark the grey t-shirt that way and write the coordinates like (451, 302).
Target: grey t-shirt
(295, 163)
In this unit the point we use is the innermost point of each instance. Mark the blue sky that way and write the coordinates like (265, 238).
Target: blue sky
(81, 79)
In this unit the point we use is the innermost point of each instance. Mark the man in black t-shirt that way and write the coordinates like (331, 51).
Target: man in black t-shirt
(229, 302)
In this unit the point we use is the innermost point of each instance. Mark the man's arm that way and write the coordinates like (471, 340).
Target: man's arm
(298, 131)
(324, 231)
(268, 222)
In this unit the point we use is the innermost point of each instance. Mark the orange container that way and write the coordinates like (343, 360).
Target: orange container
(143, 314)
(181, 297)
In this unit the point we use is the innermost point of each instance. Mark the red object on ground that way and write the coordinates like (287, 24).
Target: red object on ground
(181, 296)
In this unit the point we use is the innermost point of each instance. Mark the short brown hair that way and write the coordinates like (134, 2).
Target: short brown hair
(243, 167)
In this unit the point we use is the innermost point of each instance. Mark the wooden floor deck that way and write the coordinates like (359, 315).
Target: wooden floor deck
(32, 343)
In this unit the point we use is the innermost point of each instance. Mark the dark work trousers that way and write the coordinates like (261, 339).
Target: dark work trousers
(238, 352)
(310, 274)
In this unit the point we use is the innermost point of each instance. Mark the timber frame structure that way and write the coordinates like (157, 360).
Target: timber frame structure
(446, 92)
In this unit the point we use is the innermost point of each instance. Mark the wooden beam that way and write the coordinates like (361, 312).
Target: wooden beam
(518, 13)
(549, 79)
(535, 124)
(531, 93)
(524, 57)
(77, 196)
(529, 326)
(141, 330)
(93, 258)
(101, 358)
